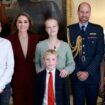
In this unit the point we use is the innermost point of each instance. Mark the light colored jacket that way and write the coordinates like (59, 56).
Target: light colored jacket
(65, 60)
(6, 62)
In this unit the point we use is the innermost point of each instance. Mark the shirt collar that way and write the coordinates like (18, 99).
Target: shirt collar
(84, 24)
(53, 71)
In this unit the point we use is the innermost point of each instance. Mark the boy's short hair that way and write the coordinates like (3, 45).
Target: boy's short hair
(51, 51)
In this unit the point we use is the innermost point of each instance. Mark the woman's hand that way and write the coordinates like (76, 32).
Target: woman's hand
(63, 73)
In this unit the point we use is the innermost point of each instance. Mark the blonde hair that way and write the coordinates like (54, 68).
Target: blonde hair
(49, 52)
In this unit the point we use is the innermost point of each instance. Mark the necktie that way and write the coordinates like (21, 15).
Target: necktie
(82, 48)
(83, 30)
(50, 90)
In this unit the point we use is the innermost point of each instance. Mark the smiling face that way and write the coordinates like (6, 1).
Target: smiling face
(22, 23)
(50, 61)
(51, 27)
(84, 11)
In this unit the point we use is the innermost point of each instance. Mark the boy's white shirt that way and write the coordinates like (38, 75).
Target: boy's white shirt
(45, 99)
(6, 63)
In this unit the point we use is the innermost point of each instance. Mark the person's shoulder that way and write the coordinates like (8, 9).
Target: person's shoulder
(96, 25)
(35, 38)
(11, 37)
(41, 43)
(33, 35)
(72, 25)
(5, 41)
(41, 73)
(64, 44)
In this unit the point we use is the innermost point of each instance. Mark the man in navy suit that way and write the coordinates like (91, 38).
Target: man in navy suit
(61, 94)
(87, 42)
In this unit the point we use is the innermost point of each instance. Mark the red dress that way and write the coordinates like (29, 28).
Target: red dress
(23, 82)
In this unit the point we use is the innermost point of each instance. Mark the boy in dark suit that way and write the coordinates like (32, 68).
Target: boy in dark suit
(59, 93)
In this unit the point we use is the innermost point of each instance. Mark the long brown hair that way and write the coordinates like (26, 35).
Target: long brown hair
(14, 27)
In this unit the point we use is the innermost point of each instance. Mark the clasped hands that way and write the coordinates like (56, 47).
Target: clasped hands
(82, 75)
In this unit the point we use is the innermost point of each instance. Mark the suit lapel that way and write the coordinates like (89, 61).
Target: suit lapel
(56, 83)
(44, 81)
(75, 33)
(78, 30)
(87, 31)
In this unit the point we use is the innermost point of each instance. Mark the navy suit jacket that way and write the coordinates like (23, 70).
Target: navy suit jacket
(61, 89)
(92, 49)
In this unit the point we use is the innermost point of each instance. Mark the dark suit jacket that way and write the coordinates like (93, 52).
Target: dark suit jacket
(93, 42)
(61, 90)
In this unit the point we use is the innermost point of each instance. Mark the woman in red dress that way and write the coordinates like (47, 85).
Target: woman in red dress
(23, 43)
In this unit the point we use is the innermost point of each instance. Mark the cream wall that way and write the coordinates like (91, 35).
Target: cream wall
(97, 12)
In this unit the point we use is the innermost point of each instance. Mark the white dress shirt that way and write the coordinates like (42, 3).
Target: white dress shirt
(85, 25)
(6, 63)
(45, 99)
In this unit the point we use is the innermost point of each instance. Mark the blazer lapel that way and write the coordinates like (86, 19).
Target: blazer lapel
(44, 81)
(87, 29)
(78, 30)
(56, 83)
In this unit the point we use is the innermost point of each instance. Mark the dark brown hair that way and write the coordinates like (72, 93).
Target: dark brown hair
(14, 27)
